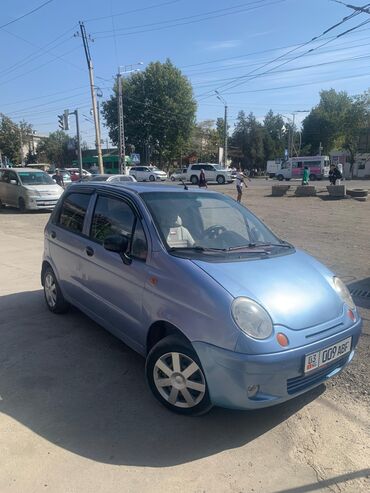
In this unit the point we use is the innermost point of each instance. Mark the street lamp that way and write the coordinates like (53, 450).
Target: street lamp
(127, 69)
(220, 98)
(291, 146)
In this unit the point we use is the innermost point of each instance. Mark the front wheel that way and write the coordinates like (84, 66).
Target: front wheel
(280, 177)
(21, 204)
(173, 178)
(220, 180)
(53, 296)
(151, 178)
(175, 376)
(313, 177)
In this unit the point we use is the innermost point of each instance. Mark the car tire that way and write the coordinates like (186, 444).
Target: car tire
(280, 177)
(53, 295)
(151, 178)
(194, 180)
(21, 204)
(184, 394)
(357, 192)
(220, 180)
(2, 205)
(313, 177)
(173, 178)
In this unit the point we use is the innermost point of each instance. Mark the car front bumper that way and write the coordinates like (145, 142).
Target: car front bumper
(280, 376)
(38, 203)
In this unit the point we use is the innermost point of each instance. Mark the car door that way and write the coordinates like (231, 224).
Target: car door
(67, 244)
(210, 172)
(115, 288)
(13, 190)
(4, 184)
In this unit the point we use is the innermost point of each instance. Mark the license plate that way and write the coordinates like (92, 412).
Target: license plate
(328, 355)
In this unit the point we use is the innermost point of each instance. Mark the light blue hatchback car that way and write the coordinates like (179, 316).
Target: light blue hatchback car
(224, 312)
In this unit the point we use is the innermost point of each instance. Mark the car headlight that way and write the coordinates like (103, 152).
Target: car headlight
(251, 318)
(33, 193)
(343, 292)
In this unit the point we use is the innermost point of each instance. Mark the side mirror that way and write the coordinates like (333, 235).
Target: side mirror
(13, 182)
(118, 244)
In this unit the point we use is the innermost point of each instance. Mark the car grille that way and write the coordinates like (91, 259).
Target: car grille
(297, 384)
(45, 203)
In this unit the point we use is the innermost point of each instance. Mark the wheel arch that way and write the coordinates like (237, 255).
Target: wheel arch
(159, 330)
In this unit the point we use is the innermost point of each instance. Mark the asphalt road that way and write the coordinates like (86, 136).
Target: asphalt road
(76, 415)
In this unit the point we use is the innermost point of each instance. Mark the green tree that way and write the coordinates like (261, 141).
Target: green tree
(335, 123)
(248, 138)
(204, 142)
(10, 139)
(274, 136)
(159, 111)
(58, 149)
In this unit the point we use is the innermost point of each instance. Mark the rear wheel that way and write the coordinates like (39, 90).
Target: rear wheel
(313, 177)
(220, 179)
(194, 180)
(173, 178)
(21, 204)
(53, 296)
(280, 177)
(2, 205)
(176, 378)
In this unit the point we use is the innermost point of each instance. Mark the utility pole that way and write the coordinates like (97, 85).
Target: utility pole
(121, 127)
(219, 97)
(93, 96)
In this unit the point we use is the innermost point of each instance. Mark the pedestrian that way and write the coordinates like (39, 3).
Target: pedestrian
(75, 176)
(334, 174)
(306, 176)
(58, 177)
(202, 179)
(240, 183)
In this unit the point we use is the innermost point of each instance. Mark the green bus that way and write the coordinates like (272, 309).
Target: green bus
(110, 163)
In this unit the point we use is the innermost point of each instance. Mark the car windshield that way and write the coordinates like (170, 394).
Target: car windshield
(208, 223)
(35, 178)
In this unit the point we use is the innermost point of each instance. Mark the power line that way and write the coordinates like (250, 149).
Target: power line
(196, 18)
(26, 14)
(247, 76)
(135, 11)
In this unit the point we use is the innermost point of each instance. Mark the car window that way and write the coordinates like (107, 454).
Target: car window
(196, 167)
(13, 176)
(111, 217)
(5, 176)
(139, 244)
(73, 211)
(208, 167)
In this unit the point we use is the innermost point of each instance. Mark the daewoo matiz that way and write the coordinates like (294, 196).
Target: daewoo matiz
(224, 312)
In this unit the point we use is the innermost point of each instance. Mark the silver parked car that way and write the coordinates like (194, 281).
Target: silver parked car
(28, 188)
(112, 178)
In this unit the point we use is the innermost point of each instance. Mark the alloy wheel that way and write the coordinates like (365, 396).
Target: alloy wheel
(50, 290)
(179, 380)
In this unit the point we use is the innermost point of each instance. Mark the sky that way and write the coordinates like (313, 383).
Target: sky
(225, 46)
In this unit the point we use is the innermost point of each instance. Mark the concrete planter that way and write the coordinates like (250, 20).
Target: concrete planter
(338, 191)
(305, 191)
(279, 190)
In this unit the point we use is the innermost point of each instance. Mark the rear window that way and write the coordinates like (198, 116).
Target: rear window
(73, 211)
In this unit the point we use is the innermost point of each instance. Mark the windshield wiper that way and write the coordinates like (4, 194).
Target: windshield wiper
(256, 245)
(197, 248)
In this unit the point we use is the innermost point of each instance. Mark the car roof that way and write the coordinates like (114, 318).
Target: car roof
(137, 187)
(23, 169)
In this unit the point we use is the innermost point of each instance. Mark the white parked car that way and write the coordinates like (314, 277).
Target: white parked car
(112, 178)
(85, 173)
(179, 174)
(28, 189)
(148, 173)
(213, 172)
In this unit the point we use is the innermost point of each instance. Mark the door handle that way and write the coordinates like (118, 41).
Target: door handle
(53, 234)
(89, 251)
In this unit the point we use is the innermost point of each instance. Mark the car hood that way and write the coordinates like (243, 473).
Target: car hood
(295, 289)
(46, 189)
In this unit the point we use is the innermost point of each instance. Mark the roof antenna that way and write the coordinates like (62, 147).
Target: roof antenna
(185, 185)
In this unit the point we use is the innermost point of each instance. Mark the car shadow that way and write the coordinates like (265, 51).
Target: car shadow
(360, 290)
(77, 386)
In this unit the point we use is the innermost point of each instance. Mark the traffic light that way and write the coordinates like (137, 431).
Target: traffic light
(66, 119)
(61, 121)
